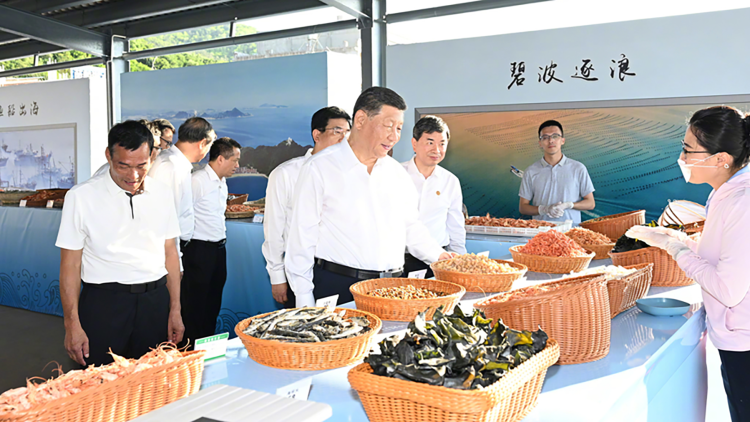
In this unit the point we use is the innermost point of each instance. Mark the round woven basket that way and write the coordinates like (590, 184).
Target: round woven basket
(405, 310)
(509, 399)
(601, 251)
(551, 264)
(614, 226)
(310, 356)
(576, 315)
(666, 271)
(482, 283)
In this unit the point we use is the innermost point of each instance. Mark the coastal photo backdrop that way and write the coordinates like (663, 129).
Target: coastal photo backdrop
(630, 152)
(38, 157)
(265, 105)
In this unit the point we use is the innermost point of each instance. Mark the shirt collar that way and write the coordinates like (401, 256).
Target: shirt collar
(414, 170)
(561, 163)
(308, 153)
(114, 189)
(176, 151)
(350, 160)
(212, 173)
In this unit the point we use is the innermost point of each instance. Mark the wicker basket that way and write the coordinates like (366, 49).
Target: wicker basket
(577, 316)
(624, 292)
(614, 226)
(666, 271)
(125, 398)
(511, 398)
(694, 228)
(310, 356)
(243, 214)
(551, 264)
(601, 251)
(482, 283)
(239, 199)
(405, 310)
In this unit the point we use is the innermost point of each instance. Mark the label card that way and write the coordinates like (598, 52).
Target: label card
(298, 390)
(328, 302)
(485, 254)
(417, 274)
(215, 346)
(50, 203)
(257, 218)
(23, 203)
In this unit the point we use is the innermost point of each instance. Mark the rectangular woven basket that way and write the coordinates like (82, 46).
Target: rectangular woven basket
(125, 398)
(511, 398)
(614, 226)
(576, 314)
(666, 271)
(624, 292)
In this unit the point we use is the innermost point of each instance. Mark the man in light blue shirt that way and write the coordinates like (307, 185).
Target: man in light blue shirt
(558, 186)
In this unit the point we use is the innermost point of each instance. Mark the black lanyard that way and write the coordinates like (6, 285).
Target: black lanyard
(130, 195)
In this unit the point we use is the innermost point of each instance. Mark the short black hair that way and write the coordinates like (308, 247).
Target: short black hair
(431, 124)
(195, 129)
(549, 123)
(321, 117)
(130, 135)
(723, 129)
(163, 124)
(372, 100)
(223, 147)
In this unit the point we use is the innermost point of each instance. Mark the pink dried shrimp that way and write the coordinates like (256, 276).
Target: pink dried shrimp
(553, 243)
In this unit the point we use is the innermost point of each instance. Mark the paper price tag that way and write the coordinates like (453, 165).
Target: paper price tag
(50, 203)
(215, 346)
(417, 274)
(257, 218)
(298, 390)
(23, 203)
(327, 302)
(485, 254)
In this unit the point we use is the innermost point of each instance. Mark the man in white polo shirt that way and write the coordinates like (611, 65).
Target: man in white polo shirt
(355, 209)
(174, 166)
(438, 190)
(205, 257)
(329, 126)
(116, 239)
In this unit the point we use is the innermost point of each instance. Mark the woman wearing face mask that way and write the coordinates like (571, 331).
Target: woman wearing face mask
(715, 151)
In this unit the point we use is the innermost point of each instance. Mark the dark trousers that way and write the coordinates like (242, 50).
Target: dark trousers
(128, 323)
(327, 283)
(205, 273)
(735, 370)
(412, 263)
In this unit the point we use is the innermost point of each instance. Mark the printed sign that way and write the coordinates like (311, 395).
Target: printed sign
(328, 302)
(298, 390)
(417, 274)
(485, 254)
(215, 346)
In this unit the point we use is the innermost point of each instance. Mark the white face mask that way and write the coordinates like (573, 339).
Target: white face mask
(687, 168)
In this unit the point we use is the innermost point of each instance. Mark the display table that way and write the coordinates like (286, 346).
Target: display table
(30, 264)
(655, 370)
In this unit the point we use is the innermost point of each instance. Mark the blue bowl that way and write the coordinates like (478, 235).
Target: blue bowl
(662, 306)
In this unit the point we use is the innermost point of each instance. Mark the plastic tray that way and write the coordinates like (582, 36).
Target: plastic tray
(518, 231)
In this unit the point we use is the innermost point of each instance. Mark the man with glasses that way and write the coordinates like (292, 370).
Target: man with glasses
(559, 187)
(329, 126)
(167, 132)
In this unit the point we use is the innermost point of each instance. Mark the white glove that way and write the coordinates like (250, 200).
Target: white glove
(558, 210)
(675, 234)
(306, 299)
(653, 237)
(546, 210)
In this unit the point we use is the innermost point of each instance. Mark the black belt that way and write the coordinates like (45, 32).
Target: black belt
(355, 272)
(221, 242)
(131, 288)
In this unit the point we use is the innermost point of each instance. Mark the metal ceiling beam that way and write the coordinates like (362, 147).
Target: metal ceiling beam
(265, 36)
(456, 9)
(45, 6)
(355, 8)
(241, 10)
(48, 67)
(27, 48)
(51, 31)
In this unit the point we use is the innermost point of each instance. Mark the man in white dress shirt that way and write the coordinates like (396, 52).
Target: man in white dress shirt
(329, 126)
(154, 128)
(174, 166)
(355, 208)
(438, 190)
(205, 257)
(116, 238)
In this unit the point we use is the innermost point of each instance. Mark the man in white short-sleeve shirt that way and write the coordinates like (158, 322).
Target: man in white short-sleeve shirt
(116, 239)
(329, 126)
(174, 166)
(205, 256)
(355, 209)
(558, 187)
(154, 151)
(438, 190)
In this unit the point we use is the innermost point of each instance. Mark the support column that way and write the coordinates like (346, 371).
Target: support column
(374, 42)
(116, 66)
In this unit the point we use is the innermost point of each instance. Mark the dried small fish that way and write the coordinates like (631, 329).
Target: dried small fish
(307, 325)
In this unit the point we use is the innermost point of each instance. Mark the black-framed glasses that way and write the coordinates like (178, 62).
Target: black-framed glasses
(337, 130)
(686, 152)
(554, 137)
